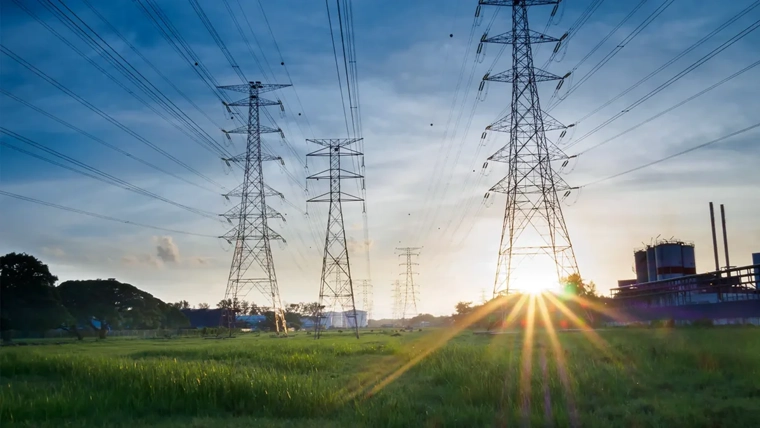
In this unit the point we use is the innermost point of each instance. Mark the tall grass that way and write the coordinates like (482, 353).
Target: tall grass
(642, 378)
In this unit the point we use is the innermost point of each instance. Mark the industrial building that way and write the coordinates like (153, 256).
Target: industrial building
(668, 287)
(344, 319)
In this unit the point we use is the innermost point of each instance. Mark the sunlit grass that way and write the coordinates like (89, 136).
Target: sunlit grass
(436, 378)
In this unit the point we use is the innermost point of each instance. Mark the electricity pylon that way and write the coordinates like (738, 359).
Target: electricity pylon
(533, 222)
(366, 288)
(252, 265)
(410, 292)
(398, 300)
(336, 289)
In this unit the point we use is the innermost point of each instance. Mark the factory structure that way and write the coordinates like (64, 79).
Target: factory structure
(668, 287)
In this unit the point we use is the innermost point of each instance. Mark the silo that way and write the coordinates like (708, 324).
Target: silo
(651, 264)
(756, 262)
(640, 262)
(689, 260)
(669, 260)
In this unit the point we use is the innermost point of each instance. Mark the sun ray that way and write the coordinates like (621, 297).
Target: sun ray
(527, 361)
(589, 332)
(565, 376)
(430, 344)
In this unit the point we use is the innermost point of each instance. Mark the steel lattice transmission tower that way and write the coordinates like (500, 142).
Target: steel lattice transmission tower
(409, 296)
(366, 289)
(252, 265)
(533, 221)
(336, 289)
(397, 300)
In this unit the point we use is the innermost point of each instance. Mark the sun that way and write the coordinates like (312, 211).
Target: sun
(536, 284)
(537, 290)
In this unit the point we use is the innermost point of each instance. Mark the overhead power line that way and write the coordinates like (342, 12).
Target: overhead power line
(150, 64)
(100, 216)
(102, 114)
(752, 27)
(673, 107)
(92, 38)
(683, 53)
(92, 172)
(100, 141)
(622, 44)
(337, 68)
(674, 155)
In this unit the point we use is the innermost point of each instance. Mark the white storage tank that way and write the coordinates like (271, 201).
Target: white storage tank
(689, 260)
(669, 259)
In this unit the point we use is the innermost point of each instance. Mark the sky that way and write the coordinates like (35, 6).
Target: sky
(422, 118)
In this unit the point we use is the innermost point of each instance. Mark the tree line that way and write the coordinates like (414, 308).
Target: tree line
(30, 301)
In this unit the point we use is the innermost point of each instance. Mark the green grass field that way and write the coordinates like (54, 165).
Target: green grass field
(621, 378)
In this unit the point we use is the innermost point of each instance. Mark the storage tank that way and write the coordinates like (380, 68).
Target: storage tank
(640, 263)
(651, 264)
(669, 260)
(756, 262)
(689, 260)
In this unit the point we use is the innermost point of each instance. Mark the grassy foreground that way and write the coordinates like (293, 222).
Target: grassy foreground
(622, 378)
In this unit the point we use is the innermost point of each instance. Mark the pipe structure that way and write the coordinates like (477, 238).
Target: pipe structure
(714, 237)
(725, 236)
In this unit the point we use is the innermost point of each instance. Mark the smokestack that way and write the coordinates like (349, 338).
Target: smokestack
(725, 237)
(715, 238)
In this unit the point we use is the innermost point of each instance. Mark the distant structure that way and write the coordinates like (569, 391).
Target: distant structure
(252, 264)
(533, 227)
(200, 318)
(366, 288)
(336, 289)
(398, 300)
(665, 260)
(410, 294)
(667, 286)
(334, 320)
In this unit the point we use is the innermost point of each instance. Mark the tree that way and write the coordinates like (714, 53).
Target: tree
(28, 298)
(310, 310)
(203, 306)
(111, 303)
(464, 308)
(245, 307)
(575, 285)
(182, 304)
(293, 320)
(172, 316)
(255, 310)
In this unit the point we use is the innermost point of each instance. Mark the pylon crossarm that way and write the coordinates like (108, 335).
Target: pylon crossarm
(263, 129)
(260, 87)
(509, 38)
(517, 2)
(245, 101)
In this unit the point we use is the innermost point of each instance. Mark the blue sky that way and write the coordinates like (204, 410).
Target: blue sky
(419, 177)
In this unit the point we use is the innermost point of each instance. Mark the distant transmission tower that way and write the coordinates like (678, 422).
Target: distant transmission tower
(410, 292)
(336, 289)
(398, 300)
(252, 265)
(533, 221)
(366, 288)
